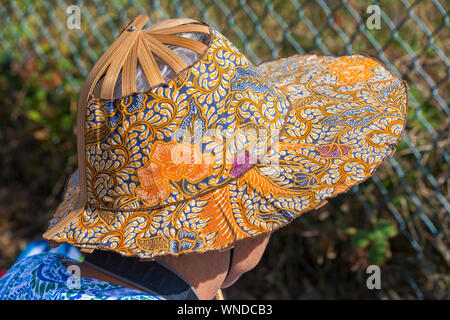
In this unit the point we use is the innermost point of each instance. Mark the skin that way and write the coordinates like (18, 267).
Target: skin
(207, 280)
(207, 272)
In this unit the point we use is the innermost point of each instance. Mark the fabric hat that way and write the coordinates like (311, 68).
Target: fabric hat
(216, 150)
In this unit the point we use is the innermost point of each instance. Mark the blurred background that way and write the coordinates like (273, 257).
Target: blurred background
(399, 219)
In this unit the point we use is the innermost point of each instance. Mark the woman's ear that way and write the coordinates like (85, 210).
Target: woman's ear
(247, 254)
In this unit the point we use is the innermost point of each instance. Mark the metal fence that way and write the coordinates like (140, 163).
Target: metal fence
(412, 39)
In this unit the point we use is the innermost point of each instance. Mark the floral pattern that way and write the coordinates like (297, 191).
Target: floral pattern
(343, 118)
(171, 161)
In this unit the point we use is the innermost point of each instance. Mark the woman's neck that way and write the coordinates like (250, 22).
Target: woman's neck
(205, 271)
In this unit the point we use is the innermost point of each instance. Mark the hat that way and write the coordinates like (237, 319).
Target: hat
(185, 146)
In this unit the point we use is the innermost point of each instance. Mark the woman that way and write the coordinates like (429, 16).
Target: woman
(186, 151)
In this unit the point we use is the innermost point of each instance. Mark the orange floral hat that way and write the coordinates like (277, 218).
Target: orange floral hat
(216, 150)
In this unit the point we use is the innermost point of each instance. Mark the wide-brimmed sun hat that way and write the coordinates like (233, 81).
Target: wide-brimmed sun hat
(215, 150)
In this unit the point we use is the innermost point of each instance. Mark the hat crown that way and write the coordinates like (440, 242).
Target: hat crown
(137, 46)
(176, 141)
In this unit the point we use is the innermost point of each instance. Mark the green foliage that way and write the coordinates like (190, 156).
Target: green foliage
(376, 240)
(361, 239)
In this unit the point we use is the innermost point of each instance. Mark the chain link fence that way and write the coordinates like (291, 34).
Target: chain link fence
(319, 251)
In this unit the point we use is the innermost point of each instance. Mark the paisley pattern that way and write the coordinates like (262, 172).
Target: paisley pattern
(220, 95)
(344, 117)
(44, 277)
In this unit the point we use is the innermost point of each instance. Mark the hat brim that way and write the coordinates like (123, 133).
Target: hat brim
(346, 115)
